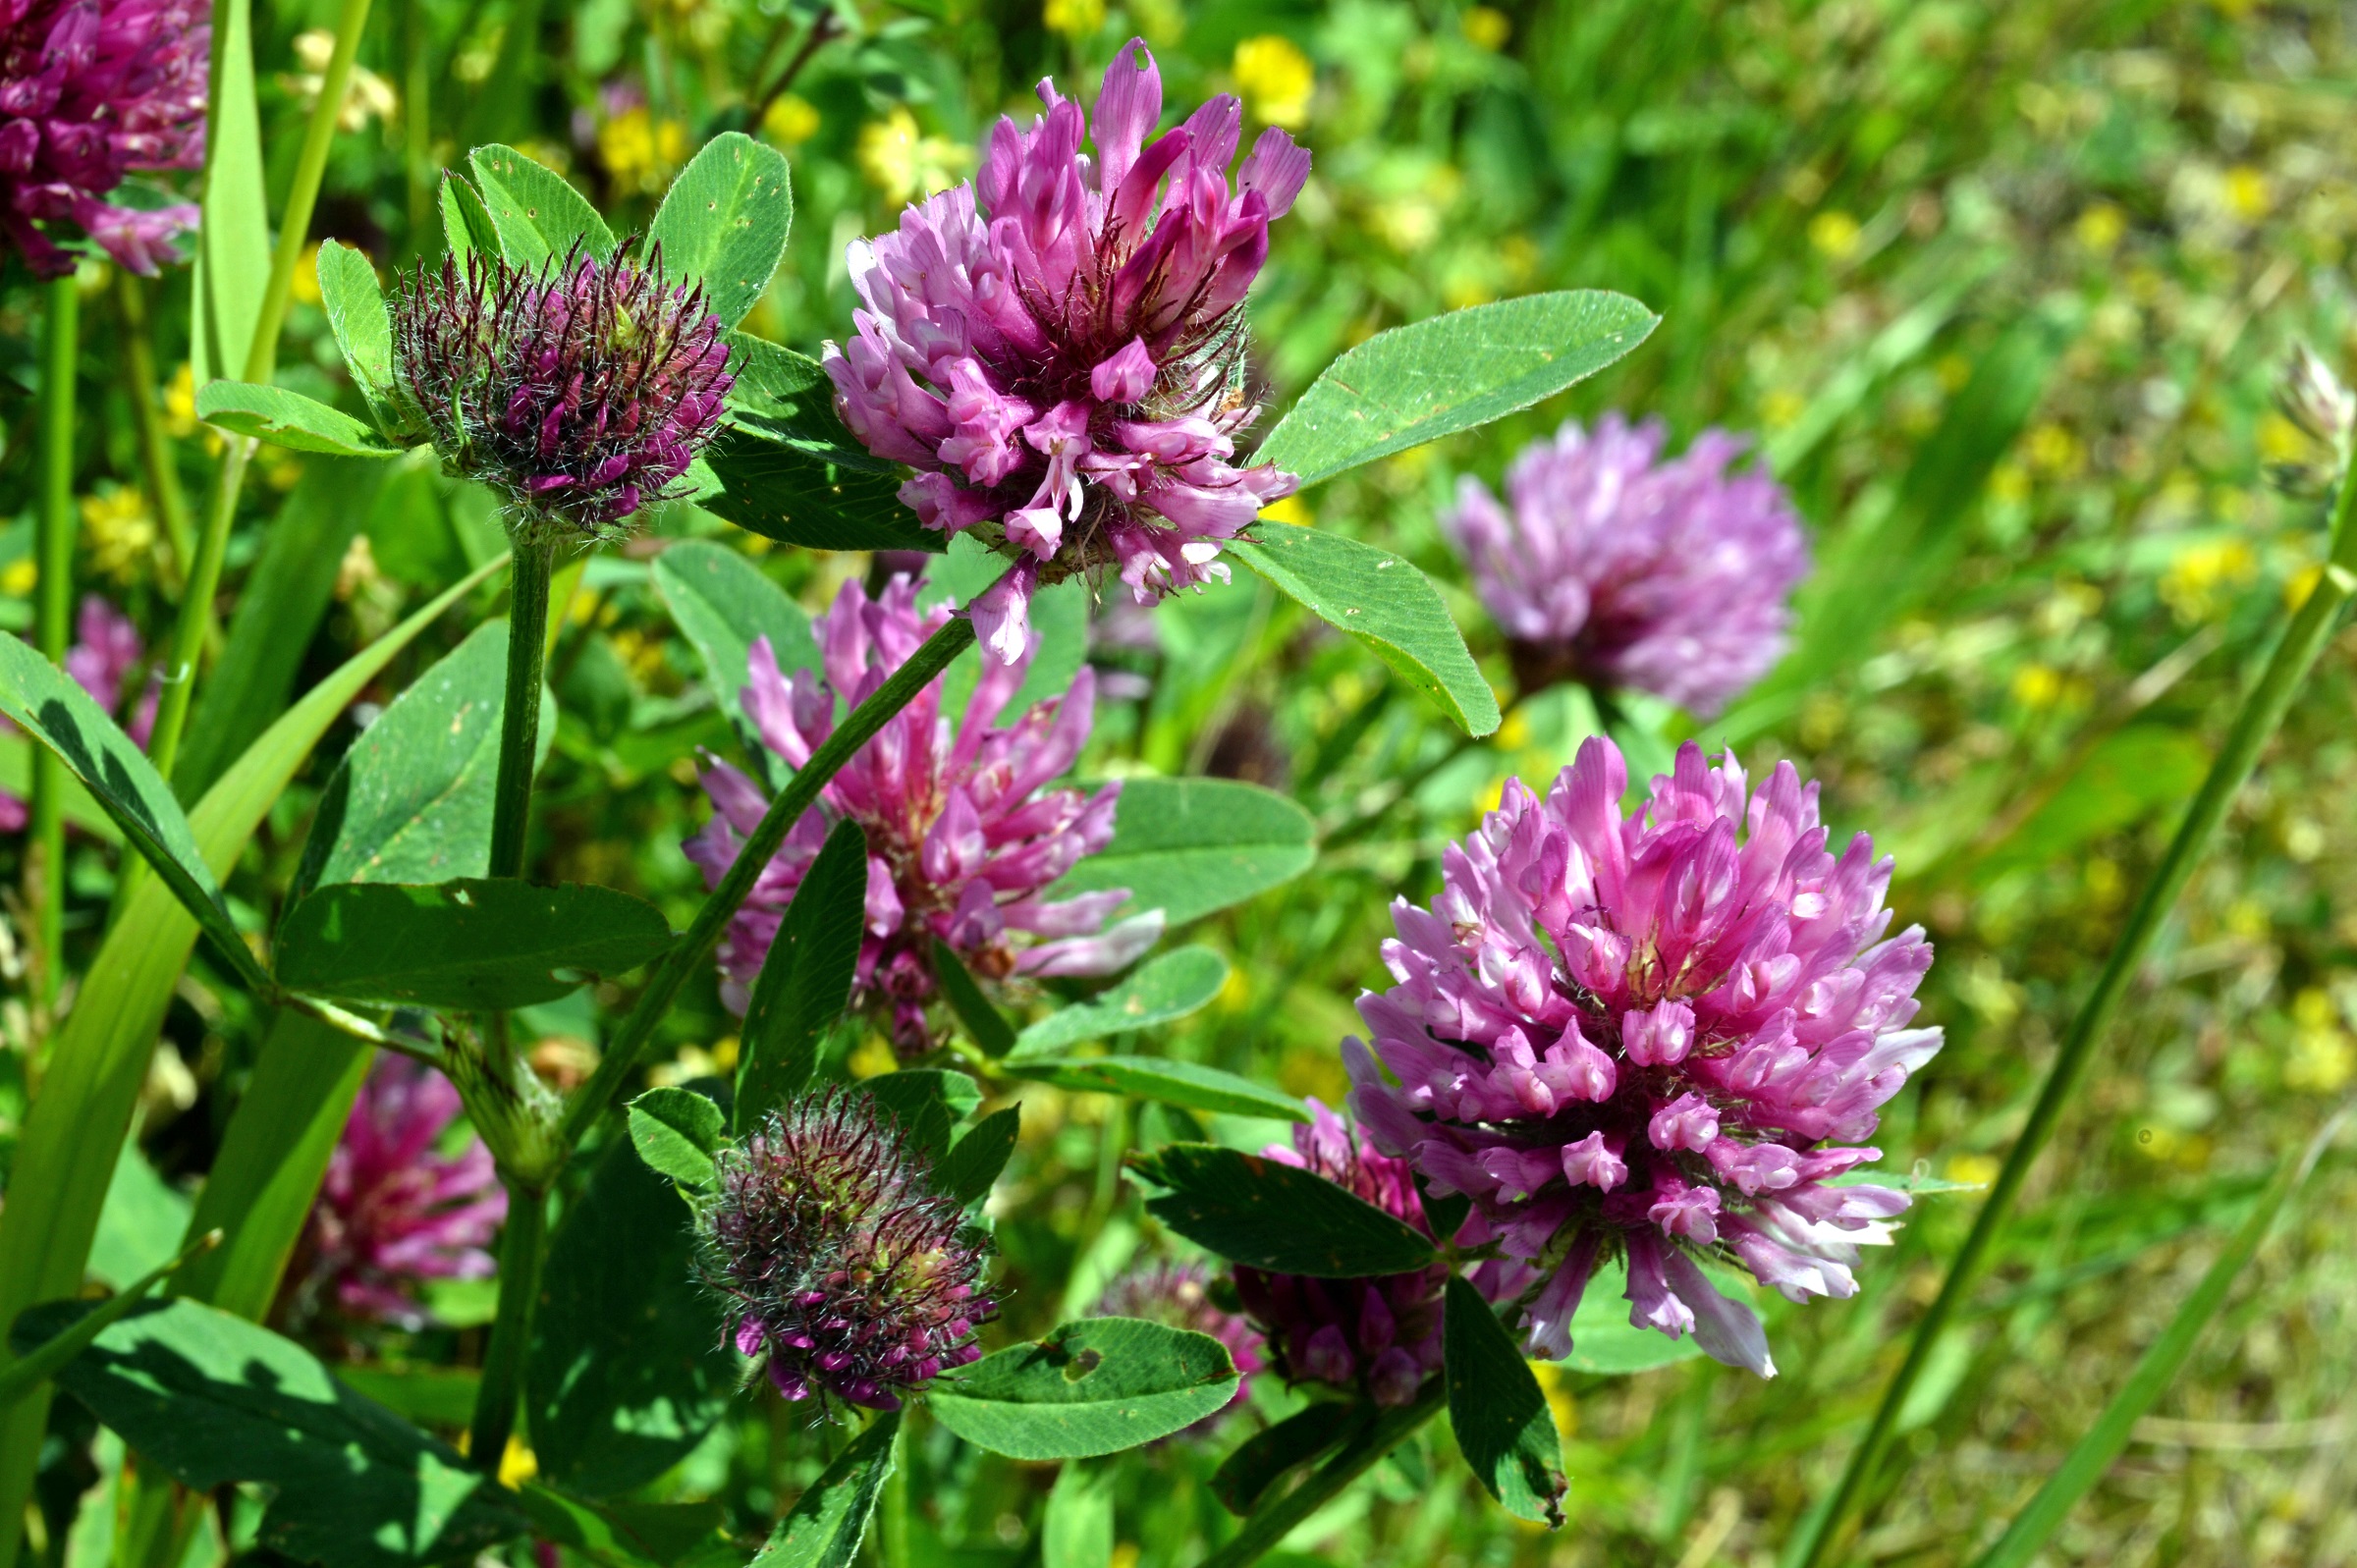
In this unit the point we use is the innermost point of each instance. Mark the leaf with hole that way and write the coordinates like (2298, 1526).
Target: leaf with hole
(630, 1365)
(212, 1399)
(1260, 1211)
(1503, 1426)
(537, 213)
(1091, 1387)
(1190, 846)
(1382, 602)
(472, 944)
(1166, 988)
(1429, 379)
(288, 419)
(51, 707)
(724, 221)
(677, 1132)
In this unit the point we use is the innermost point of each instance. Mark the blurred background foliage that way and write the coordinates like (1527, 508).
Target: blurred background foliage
(1999, 289)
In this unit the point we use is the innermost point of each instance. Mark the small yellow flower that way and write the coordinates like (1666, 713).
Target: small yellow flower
(305, 282)
(1276, 80)
(2009, 482)
(20, 578)
(1835, 234)
(874, 1057)
(1290, 509)
(2249, 197)
(2282, 441)
(2101, 227)
(122, 534)
(519, 1464)
(2054, 451)
(790, 121)
(179, 403)
(903, 162)
(2035, 686)
(1781, 406)
(2203, 576)
(1486, 28)
(640, 152)
(367, 96)
(1557, 1390)
(1074, 19)
(1974, 1170)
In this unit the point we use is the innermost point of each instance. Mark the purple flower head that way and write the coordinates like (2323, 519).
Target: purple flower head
(963, 836)
(580, 390)
(393, 1211)
(1616, 568)
(106, 650)
(1659, 1038)
(1058, 347)
(89, 90)
(1178, 1294)
(1381, 1335)
(840, 1262)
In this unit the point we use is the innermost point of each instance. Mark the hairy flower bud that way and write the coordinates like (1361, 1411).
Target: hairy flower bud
(840, 1263)
(579, 390)
(89, 90)
(1377, 1336)
(2313, 399)
(1657, 1038)
(1617, 567)
(1058, 347)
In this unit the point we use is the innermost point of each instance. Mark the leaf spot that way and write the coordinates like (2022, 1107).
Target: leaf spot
(1081, 1365)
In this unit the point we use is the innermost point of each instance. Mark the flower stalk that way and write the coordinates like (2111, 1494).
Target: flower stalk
(522, 1248)
(45, 871)
(2262, 713)
(533, 562)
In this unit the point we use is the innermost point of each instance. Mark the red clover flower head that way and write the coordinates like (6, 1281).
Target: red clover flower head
(579, 390)
(1616, 567)
(1058, 345)
(839, 1261)
(393, 1211)
(1380, 1335)
(1660, 1038)
(89, 90)
(963, 836)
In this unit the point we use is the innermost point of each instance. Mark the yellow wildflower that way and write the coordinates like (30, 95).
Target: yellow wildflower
(1074, 19)
(122, 534)
(1835, 234)
(639, 152)
(903, 162)
(367, 96)
(790, 121)
(2101, 227)
(1486, 28)
(2203, 576)
(305, 285)
(1276, 78)
(2249, 197)
(2037, 685)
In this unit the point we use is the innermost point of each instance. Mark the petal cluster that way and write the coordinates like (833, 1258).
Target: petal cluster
(1659, 1038)
(964, 834)
(1377, 1336)
(840, 1263)
(579, 390)
(1613, 566)
(1059, 348)
(90, 90)
(394, 1211)
(1180, 1294)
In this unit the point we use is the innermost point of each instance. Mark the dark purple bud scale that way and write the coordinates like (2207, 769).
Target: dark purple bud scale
(839, 1261)
(579, 390)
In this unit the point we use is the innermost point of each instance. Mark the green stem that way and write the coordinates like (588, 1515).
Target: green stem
(519, 720)
(195, 626)
(45, 872)
(1275, 1520)
(156, 465)
(521, 1247)
(2262, 713)
(694, 948)
(891, 1533)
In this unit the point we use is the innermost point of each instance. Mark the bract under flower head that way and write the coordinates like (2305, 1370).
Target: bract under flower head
(89, 90)
(963, 834)
(580, 390)
(1379, 1336)
(1058, 345)
(394, 1213)
(1617, 567)
(1660, 1037)
(840, 1263)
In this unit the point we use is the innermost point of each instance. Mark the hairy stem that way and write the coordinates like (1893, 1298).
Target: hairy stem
(2263, 711)
(522, 1246)
(694, 948)
(44, 871)
(520, 722)
(1276, 1519)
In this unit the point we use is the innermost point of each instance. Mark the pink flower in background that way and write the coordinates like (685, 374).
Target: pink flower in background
(580, 391)
(106, 650)
(1659, 1038)
(393, 1211)
(963, 836)
(90, 90)
(1616, 568)
(1381, 1337)
(1058, 347)
(1178, 1294)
